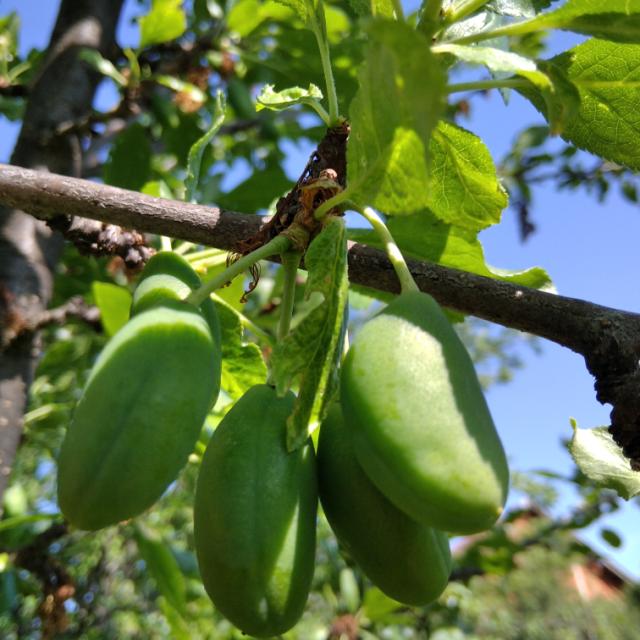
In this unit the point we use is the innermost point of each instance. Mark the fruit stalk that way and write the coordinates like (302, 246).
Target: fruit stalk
(407, 283)
(279, 244)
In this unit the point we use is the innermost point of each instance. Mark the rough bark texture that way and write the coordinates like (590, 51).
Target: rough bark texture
(609, 339)
(61, 94)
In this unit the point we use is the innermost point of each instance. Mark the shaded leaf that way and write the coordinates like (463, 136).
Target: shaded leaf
(242, 362)
(258, 191)
(313, 348)
(611, 538)
(129, 163)
(602, 460)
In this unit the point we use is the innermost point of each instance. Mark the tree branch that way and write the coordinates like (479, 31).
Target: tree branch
(609, 339)
(28, 248)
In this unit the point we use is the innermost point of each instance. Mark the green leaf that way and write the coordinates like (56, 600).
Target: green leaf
(242, 362)
(349, 590)
(561, 97)
(392, 116)
(258, 190)
(165, 21)
(602, 461)
(302, 8)
(463, 185)
(279, 100)
(114, 303)
(377, 606)
(247, 15)
(178, 625)
(553, 86)
(18, 521)
(157, 189)
(164, 569)
(490, 57)
(424, 237)
(607, 77)
(373, 8)
(514, 8)
(617, 20)
(129, 163)
(611, 538)
(104, 66)
(196, 151)
(313, 348)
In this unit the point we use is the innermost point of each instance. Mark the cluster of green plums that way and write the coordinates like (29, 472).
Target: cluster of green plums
(408, 455)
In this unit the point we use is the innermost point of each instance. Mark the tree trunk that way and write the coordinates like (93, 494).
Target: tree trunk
(61, 94)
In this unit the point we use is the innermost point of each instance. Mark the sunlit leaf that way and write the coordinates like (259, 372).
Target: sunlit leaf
(165, 21)
(607, 77)
(602, 460)
(392, 116)
(114, 303)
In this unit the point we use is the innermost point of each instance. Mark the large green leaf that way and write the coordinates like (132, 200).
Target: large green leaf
(607, 77)
(165, 21)
(610, 19)
(558, 92)
(392, 116)
(463, 185)
(602, 460)
(424, 237)
(314, 346)
(617, 20)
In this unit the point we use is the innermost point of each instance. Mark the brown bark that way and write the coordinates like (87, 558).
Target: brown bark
(61, 93)
(609, 339)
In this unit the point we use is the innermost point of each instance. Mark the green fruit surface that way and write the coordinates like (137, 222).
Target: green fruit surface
(168, 276)
(139, 416)
(422, 429)
(408, 561)
(255, 516)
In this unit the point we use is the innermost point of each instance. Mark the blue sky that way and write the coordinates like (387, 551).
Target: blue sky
(590, 251)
